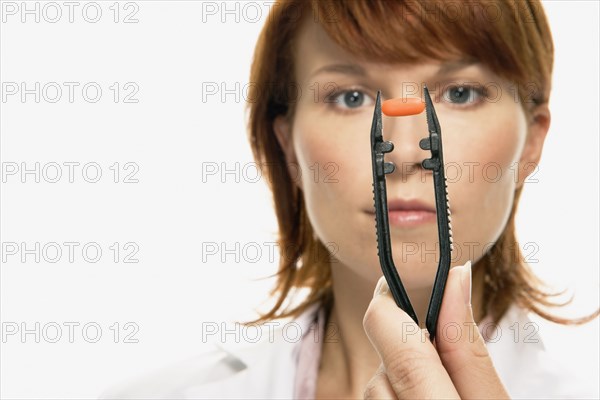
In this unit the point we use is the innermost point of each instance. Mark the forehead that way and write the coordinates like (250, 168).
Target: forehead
(316, 54)
(314, 41)
(314, 48)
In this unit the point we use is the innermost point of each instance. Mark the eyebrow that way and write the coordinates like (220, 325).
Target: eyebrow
(349, 69)
(355, 69)
(451, 66)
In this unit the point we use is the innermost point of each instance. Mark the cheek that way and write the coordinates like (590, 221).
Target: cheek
(327, 162)
(334, 165)
(482, 171)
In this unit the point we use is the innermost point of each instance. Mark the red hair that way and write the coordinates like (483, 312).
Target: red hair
(512, 38)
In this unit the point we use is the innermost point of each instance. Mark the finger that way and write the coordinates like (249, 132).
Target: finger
(379, 387)
(412, 365)
(460, 345)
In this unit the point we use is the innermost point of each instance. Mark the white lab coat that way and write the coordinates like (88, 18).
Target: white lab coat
(266, 369)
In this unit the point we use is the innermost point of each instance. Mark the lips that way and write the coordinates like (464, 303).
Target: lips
(409, 205)
(410, 212)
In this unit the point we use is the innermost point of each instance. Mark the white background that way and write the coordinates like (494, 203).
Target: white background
(170, 212)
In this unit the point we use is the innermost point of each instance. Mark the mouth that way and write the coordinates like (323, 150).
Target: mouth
(409, 213)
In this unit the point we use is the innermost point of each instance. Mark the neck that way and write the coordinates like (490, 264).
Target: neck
(348, 360)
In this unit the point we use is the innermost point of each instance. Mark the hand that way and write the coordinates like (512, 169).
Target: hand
(456, 366)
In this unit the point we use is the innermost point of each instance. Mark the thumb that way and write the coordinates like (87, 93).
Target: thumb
(459, 343)
(456, 326)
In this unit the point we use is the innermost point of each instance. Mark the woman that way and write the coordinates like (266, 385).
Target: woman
(316, 70)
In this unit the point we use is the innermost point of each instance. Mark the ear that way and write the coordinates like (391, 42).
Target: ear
(538, 126)
(283, 132)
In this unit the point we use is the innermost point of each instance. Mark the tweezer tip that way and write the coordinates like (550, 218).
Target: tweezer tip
(376, 127)
(427, 96)
(432, 121)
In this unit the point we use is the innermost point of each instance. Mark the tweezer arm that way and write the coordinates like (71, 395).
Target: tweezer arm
(384, 247)
(436, 165)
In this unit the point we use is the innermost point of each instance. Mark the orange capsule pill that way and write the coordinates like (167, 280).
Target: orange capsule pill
(402, 106)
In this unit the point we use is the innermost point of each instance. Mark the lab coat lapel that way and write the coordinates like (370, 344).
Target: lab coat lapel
(266, 369)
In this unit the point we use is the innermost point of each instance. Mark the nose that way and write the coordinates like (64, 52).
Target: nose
(405, 132)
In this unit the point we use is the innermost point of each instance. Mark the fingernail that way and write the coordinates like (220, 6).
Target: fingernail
(381, 288)
(465, 281)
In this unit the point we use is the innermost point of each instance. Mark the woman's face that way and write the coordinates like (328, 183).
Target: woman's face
(485, 142)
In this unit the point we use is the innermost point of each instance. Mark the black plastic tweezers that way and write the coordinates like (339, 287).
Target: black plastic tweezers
(384, 248)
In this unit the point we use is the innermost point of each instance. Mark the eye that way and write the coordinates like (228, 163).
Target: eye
(463, 94)
(349, 99)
